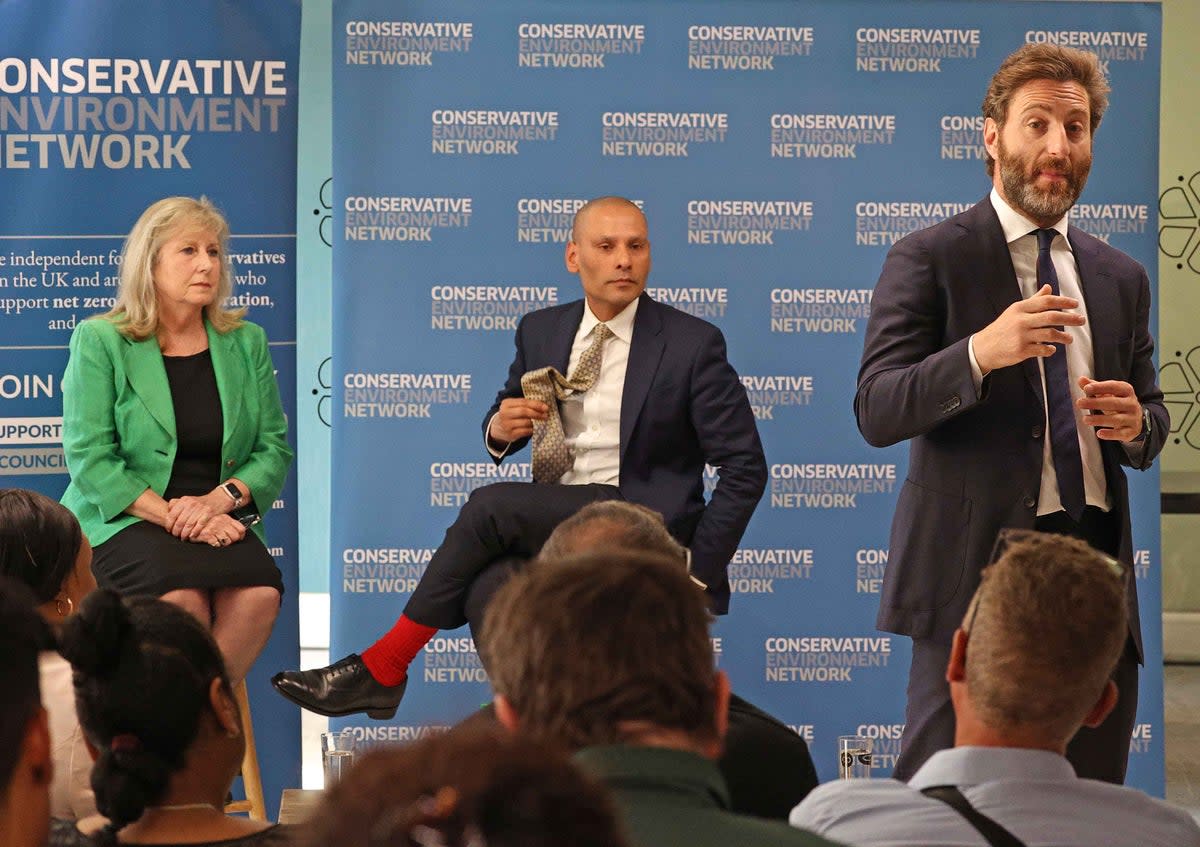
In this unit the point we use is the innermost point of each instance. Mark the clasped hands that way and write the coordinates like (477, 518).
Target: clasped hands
(1030, 328)
(204, 519)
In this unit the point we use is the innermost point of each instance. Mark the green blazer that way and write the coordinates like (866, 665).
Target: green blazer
(119, 422)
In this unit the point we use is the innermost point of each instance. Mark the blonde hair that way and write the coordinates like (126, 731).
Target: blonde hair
(136, 310)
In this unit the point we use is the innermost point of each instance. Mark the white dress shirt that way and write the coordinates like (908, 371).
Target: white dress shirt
(592, 419)
(1034, 794)
(1022, 246)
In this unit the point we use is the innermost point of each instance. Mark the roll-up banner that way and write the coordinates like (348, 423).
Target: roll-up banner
(778, 150)
(106, 107)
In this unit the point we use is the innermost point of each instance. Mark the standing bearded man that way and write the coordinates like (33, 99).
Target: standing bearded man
(1013, 352)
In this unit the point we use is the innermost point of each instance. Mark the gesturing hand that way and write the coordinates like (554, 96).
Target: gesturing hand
(515, 419)
(1116, 413)
(1026, 329)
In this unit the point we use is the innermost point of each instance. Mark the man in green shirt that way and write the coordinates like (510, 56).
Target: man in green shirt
(608, 654)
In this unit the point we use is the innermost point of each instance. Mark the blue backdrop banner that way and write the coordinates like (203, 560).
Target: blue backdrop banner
(104, 108)
(778, 149)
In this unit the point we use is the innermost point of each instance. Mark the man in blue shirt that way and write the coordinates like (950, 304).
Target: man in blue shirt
(1029, 666)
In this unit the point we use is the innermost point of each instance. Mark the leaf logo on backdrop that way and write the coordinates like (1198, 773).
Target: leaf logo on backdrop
(1179, 208)
(1180, 383)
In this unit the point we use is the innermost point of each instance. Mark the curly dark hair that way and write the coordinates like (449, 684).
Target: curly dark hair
(143, 669)
(473, 785)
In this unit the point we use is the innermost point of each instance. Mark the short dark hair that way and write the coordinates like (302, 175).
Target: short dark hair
(1046, 628)
(23, 634)
(39, 541)
(580, 645)
(1045, 61)
(612, 523)
(143, 669)
(470, 785)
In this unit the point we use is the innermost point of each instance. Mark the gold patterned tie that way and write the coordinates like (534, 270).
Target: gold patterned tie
(550, 457)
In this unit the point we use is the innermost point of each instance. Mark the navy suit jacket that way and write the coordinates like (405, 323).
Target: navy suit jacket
(975, 463)
(682, 406)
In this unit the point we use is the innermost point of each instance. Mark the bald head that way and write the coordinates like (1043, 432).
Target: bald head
(612, 524)
(596, 203)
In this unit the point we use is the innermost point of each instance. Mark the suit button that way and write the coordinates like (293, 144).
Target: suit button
(1036, 432)
(1029, 502)
(229, 463)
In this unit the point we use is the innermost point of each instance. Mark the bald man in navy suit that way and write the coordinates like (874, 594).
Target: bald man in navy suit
(666, 403)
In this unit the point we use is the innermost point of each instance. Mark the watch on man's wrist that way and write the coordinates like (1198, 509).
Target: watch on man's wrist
(1145, 433)
(234, 492)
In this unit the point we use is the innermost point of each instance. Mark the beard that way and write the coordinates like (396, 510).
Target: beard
(1018, 175)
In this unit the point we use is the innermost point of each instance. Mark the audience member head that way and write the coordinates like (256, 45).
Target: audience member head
(471, 786)
(25, 766)
(136, 309)
(612, 523)
(42, 546)
(1034, 657)
(153, 700)
(1032, 62)
(606, 648)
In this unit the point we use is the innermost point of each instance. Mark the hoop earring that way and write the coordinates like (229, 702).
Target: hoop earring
(58, 606)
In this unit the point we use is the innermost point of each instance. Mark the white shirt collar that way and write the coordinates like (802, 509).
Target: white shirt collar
(621, 325)
(974, 765)
(1016, 225)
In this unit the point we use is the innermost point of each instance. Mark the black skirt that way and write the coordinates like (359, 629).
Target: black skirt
(146, 559)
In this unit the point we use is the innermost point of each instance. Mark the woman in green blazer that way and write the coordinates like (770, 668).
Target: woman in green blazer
(174, 434)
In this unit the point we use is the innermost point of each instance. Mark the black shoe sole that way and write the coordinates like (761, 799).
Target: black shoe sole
(381, 714)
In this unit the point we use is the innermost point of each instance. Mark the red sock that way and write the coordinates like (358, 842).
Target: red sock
(389, 657)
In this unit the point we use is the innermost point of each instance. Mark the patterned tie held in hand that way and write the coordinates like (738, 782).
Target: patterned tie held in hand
(550, 456)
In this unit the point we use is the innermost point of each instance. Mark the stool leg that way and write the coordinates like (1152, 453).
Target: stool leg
(254, 803)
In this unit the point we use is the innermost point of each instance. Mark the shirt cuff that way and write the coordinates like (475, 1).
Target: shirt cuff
(487, 442)
(976, 371)
(687, 559)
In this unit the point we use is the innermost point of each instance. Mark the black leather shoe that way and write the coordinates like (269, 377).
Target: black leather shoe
(344, 688)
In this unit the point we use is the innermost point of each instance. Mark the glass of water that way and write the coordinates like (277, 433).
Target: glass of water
(337, 754)
(854, 757)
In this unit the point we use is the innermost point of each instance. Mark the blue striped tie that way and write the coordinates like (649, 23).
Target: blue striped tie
(1064, 434)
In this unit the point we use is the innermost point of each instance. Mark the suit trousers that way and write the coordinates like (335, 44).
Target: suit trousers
(1100, 753)
(505, 520)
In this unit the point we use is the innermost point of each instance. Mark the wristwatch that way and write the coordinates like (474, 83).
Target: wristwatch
(234, 492)
(1144, 434)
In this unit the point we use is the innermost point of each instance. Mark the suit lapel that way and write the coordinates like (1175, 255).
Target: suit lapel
(230, 370)
(563, 337)
(1000, 280)
(1100, 300)
(644, 355)
(148, 379)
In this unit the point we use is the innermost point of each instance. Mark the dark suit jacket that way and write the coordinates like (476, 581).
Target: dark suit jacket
(975, 464)
(119, 422)
(682, 406)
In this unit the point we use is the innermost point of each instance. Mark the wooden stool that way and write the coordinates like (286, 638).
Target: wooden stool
(254, 804)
